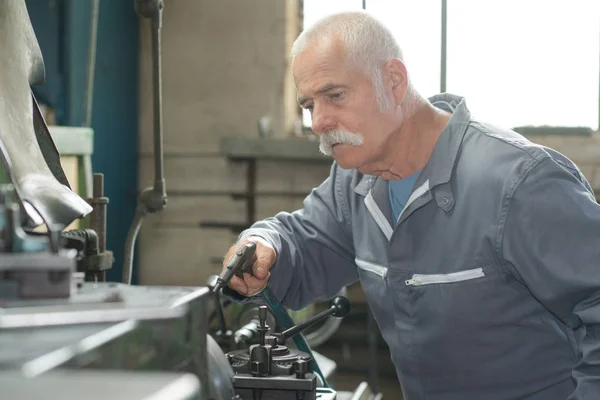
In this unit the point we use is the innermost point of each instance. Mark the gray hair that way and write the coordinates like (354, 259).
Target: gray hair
(369, 44)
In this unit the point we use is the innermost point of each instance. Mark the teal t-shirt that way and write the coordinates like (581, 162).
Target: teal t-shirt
(400, 192)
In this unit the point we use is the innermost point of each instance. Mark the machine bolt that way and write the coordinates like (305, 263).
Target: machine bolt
(258, 368)
(262, 315)
(262, 328)
(271, 341)
(301, 369)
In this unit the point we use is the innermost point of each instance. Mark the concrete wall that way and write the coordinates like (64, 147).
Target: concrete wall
(225, 65)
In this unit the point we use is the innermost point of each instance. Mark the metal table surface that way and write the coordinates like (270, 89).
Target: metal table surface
(23, 345)
(107, 326)
(100, 385)
(101, 302)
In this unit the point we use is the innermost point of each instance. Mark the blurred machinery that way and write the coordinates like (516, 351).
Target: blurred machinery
(65, 330)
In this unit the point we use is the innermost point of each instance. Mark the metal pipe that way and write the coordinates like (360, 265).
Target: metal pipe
(444, 58)
(91, 67)
(159, 173)
(130, 244)
(151, 199)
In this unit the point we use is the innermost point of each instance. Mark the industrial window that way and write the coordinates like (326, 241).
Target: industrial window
(517, 63)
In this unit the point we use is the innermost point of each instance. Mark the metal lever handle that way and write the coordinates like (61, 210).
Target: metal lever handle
(338, 307)
(241, 261)
(284, 319)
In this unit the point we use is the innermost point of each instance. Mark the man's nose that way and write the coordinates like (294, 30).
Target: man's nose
(322, 121)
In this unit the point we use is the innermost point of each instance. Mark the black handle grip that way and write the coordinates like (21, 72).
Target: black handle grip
(242, 261)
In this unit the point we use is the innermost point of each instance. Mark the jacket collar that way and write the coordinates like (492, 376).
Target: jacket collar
(438, 169)
(441, 163)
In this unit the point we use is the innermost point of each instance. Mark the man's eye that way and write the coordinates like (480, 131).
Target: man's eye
(336, 96)
(309, 107)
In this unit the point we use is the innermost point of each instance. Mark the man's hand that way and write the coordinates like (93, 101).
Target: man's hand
(265, 257)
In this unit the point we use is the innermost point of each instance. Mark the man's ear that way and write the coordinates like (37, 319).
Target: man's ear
(397, 78)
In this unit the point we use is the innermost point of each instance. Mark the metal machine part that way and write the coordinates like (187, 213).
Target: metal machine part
(34, 351)
(106, 302)
(152, 199)
(220, 373)
(247, 335)
(22, 65)
(31, 266)
(92, 385)
(98, 260)
(249, 320)
(93, 259)
(291, 372)
(13, 238)
(110, 326)
(36, 276)
(90, 260)
(284, 320)
(241, 262)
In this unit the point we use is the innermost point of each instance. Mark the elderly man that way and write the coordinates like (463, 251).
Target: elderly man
(479, 251)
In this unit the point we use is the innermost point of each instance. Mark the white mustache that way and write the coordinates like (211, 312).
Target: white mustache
(338, 136)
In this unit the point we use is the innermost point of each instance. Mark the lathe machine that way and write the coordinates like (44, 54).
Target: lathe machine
(65, 332)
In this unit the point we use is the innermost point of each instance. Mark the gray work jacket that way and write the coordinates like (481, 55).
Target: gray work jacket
(488, 285)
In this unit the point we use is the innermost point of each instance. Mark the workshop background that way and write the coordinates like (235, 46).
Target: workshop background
(238, 148)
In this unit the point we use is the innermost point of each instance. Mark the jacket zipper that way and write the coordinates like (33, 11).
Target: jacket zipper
(419, 279)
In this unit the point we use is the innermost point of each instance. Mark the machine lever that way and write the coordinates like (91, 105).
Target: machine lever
(241, 262)
(338, 307)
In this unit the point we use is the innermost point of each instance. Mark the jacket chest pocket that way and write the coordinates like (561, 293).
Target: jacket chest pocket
(465, 297)
(462, 320)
